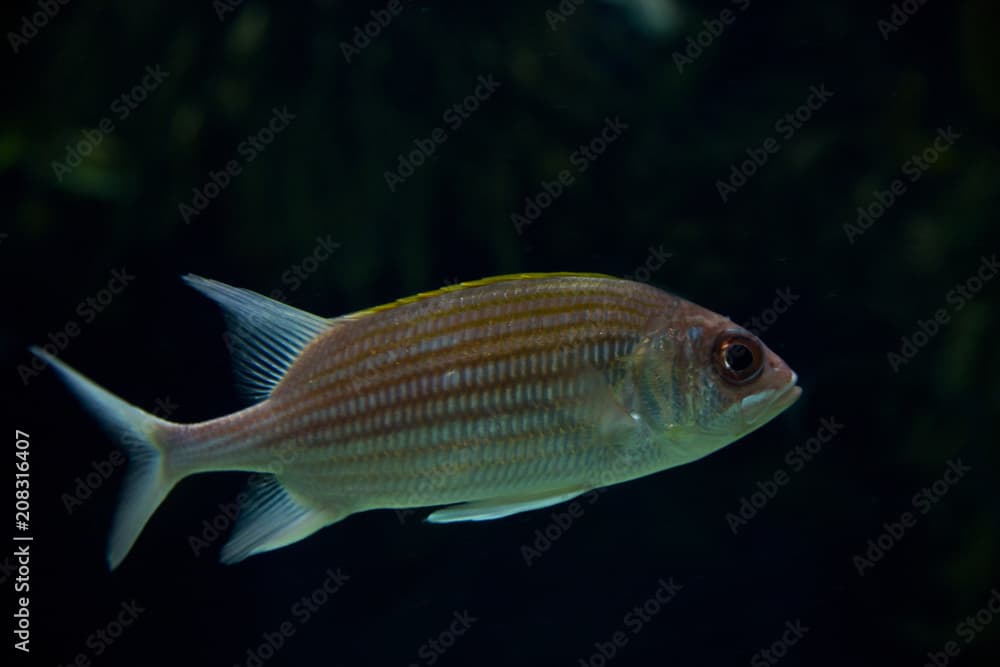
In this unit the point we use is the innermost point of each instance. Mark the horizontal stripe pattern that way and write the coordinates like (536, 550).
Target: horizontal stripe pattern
(470, 393)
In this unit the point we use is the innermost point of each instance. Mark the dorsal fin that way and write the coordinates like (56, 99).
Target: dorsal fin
(510, 277)
(265, 336)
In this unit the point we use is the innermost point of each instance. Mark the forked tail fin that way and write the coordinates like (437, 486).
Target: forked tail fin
(141, 434)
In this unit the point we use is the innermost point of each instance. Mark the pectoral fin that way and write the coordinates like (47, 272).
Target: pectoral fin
(495, 508)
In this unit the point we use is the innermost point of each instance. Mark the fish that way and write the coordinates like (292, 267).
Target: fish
(486, 398)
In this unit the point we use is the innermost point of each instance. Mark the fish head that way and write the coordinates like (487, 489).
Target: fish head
(707, 382)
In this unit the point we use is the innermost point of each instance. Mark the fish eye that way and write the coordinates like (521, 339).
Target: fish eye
(738, 357)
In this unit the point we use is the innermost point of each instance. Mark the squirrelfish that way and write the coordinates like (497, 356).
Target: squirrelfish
(492, 397)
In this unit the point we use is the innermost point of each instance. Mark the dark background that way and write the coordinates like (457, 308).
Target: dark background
(323, 177)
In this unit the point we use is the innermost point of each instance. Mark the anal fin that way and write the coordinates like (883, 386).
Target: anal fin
(272, 517)
(495, 508)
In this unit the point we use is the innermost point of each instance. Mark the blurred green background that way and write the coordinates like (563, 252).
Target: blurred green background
(311, 218)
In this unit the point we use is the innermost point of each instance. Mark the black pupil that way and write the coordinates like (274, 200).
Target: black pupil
(739, 357)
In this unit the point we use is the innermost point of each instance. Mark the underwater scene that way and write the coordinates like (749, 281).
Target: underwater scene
(576, 332)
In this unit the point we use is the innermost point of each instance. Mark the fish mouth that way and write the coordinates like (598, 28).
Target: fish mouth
(760, 409)
(786, 398)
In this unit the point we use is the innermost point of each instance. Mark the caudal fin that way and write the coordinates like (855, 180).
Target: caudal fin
(141, 434)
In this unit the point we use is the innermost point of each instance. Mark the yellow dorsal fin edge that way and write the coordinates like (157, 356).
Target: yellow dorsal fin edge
(472, 283)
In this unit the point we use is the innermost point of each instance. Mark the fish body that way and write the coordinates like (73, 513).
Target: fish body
(505, 395)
